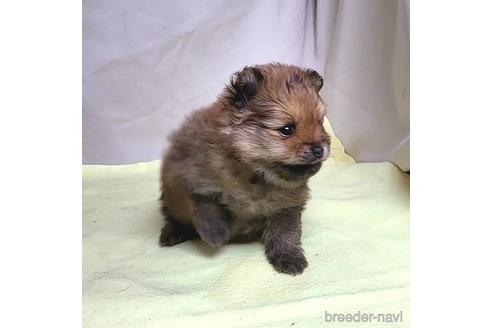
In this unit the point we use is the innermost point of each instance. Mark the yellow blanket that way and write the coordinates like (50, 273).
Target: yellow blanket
(355, 236)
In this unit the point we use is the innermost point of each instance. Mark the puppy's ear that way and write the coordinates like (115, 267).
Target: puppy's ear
(315, 78)
(244, 86)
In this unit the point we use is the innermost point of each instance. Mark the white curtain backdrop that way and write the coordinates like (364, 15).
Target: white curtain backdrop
(147, 64)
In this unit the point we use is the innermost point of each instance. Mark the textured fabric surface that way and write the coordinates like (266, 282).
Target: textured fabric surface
(147, 64)
(355, 235)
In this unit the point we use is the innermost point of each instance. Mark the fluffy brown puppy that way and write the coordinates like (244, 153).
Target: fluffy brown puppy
(238, 169)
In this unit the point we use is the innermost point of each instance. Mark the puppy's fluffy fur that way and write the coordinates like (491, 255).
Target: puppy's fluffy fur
(238, 169)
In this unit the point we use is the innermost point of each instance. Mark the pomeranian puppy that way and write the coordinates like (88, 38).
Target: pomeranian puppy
(238, 169)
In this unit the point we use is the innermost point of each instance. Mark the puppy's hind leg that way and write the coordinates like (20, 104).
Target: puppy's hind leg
(174, 233)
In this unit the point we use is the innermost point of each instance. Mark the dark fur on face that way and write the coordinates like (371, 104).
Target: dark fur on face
(238, 169)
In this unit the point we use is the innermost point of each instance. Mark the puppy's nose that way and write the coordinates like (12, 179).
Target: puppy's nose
(317, 150)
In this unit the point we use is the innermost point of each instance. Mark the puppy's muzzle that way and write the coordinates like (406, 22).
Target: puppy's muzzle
(316, 150)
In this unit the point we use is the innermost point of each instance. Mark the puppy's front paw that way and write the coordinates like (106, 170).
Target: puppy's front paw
(214, 233)
(213, 224)
(288, 261)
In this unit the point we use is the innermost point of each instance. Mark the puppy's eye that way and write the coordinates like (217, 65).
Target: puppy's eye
(287, 130)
